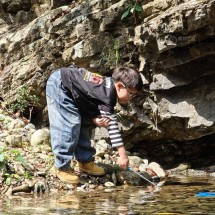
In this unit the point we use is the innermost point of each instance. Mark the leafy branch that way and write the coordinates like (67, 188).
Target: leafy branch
(132, 8)
(23, 99)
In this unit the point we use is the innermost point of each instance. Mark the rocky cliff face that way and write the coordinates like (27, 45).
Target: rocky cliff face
(171, 43)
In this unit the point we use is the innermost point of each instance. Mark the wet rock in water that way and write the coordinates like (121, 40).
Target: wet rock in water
(84, 178)
(212, 174)
(211, 168)
(114, 178)
(109, 169)
(104, 179)
(41, 187)
(131, 178)
(22, 188)
(178, 169)
(184, 169)
(194, 172)
(119, 176)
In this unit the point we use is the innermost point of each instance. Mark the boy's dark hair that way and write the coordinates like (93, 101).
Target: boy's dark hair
(128, 76)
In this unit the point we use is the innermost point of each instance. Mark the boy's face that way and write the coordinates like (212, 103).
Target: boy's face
(124, 93)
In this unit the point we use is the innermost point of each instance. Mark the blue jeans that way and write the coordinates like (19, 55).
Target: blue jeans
(70, 135)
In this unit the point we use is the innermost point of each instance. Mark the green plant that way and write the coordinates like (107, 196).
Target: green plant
(9, 156)
(23, 100)
(27, 175)
(111, 54)
(133, 7)
(9, 178)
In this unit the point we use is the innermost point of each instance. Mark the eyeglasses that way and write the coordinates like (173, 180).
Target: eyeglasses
(131, 94)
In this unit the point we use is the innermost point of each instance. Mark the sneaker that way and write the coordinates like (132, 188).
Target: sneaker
(90, 168)
(65, 175)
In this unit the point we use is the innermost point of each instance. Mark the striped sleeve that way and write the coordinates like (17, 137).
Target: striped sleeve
(113, 129)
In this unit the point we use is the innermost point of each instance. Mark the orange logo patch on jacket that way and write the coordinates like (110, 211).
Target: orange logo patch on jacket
(93, 77)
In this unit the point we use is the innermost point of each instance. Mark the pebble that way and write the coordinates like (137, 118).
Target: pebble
(109, 184)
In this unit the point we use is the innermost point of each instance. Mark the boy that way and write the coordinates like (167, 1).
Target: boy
(77, 100)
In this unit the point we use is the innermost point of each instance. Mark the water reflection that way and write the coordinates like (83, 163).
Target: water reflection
(176, 196)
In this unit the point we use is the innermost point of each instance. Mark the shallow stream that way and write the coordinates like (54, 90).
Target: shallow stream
(175, 196)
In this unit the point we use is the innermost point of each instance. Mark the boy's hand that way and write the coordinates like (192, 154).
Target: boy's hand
(123, 161)
(101, 121)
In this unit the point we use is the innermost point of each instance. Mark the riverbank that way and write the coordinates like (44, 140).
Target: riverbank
(26, 157)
